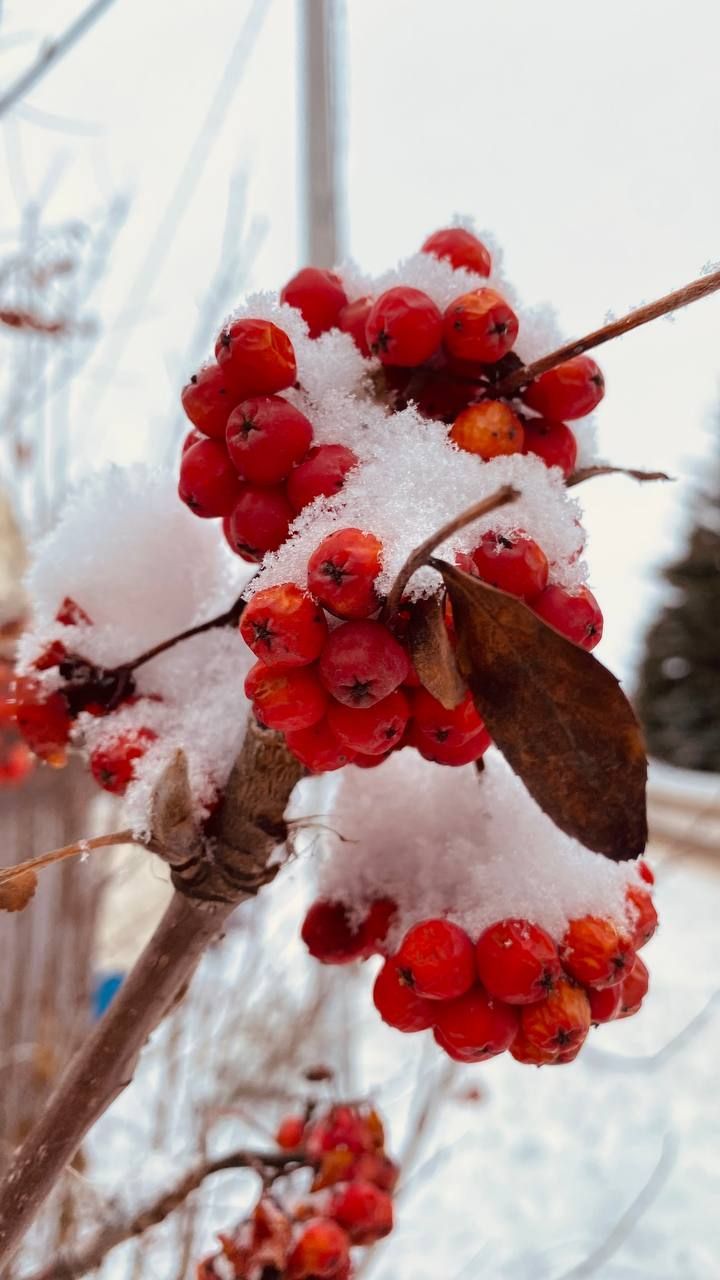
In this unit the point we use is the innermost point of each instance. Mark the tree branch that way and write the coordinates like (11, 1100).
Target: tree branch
(589, 473)
(51, 53)
(79, 848)
(248, 828)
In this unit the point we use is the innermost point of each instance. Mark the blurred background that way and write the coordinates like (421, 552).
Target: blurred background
(157, 161)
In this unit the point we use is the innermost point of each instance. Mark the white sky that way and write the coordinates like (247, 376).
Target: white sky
(585, 135)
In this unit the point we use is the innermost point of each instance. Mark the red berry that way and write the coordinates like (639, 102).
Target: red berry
(451, 728)
(575, 614)
(479, 326)
(321, 1250)
(517, 961)
(437, 959)
(362, 663)
(266, 436)
(454, 756)
(329, 935)
(554, 442)
(208, 481)
(646, 871)
(192, 437)
(113, 766)
(318, 295)
(42, 718)
(70, 614)
(208, 401)
(342, 573)
(353, 320)
(318, 748)
(461, 248)
(398, 1005)
(284, 626)
(256, 357)
(377, 923)
(290, 1132)
(286, 700)
(559, 1022)
(404, 327)
(643, 916)
(570, 390)
(475, 1027)
(634, 989)
(605, 1002)
(52, 656)
(374, 730)
(258, 522)
(594, 953)
(321, 474)
(524, 1050)
(364, 1211)
(377, 1168)
(512, 562)
(489, 429)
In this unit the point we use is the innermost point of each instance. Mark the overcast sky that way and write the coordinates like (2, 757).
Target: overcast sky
(585, 135)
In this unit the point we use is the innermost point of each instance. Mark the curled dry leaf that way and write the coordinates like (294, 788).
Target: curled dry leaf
(17, 892)
(432, 653)
(559, 717)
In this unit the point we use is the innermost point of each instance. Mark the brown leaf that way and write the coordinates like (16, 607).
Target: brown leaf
(558, 716)
(16, 893)
(432, 653)
(173, 824)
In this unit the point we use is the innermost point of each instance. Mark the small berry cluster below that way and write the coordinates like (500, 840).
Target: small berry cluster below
(514, 988)
(349, 1203)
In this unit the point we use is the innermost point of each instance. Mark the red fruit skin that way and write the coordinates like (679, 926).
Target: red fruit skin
(362, 663)
(42, 719)
(286, 699)
(642, 913)
(575, 614)
(398, 1005)
(259, 522)
(475, 1027)
(318, 295)
(552, 441)
(208, 401)
(290, 1132)
(460, 248)
(634, 989)
(646, 871)
(208, 483)
(605, 1003)
(353, 320)
(265, 437)
(113, 766)
(70, 614)
(404, 327)
(256, 357)
(479, 326)
(443, 727)
(453, 756)
(595, 953)
(329, 936)
(318, 748)
(321, 1250)
(523, 1050)
(570, 390)
(489, 430)
(437, 959)
(364, 1211)
(511, 562)
(192, 437)
(558, 1023)
(373, 731)
(342, 573)
(321, 474)
(283, 626)
(517, 961)
(377, 923)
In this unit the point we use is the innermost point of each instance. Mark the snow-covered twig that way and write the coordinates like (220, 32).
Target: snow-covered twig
(51, 53)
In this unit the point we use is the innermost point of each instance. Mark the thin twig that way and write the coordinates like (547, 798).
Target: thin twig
(80, 847)
(420, 555)
(692, 292)
(589, 473)
(51, 53)
(131, 1225)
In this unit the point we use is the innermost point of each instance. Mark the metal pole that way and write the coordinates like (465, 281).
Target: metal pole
(319, 143)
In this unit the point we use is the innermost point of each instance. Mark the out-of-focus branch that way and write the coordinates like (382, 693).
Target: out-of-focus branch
(51, 53)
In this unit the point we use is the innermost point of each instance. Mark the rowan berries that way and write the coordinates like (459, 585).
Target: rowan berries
(284, 626)
(442, 753)
(362, 663)
(442, 726)
(517, 961)
(374, 730)
(512, 562)
(286, 699)
(461, 249)
(479, 326)
(575, 614)
(318, 748)
(595, 953)
(265, 437)
(552, 441)
(290, 1132)
(398, 1004)
(353, 319)
(342, 573)
(208, 401)
(42, 718)
(113, 765)
(259, 521)
(475, 1026)
(320, 474)
(634, 988)
(570, 390)
(256, 357)
(330, 936)
(209, 483)
(489, 429)
(318, 295)
(605, 1002)
(437, 959)
(320, 1251)
(363, 1210)
(404, 327)
(559, 1022)
(643, 916)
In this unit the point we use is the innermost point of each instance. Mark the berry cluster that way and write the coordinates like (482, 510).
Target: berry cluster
(349, 1203)
(514, 987)
(45, 702)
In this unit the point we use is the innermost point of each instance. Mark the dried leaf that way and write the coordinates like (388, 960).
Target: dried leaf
(17, 892)
(173, 825)
(433, 654)
(559, 717)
